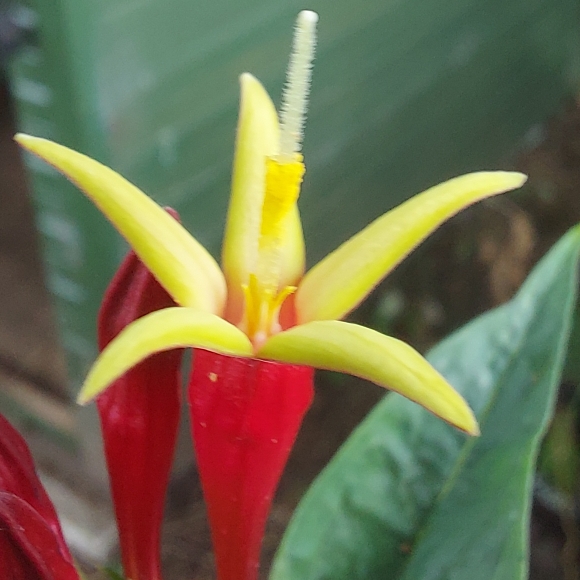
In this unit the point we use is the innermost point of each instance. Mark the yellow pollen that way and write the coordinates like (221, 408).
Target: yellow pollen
(263, 296)
(282, 188)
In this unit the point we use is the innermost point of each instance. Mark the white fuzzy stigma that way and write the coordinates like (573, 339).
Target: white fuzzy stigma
(297, 87)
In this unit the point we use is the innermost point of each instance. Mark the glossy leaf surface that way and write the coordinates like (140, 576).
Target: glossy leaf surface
(408, 497)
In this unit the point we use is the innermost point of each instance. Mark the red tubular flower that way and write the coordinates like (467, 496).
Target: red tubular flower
(245, 416)
(32, 546)
(139, 418)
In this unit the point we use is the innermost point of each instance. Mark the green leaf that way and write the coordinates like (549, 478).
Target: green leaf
(112, 574)
(407, 496)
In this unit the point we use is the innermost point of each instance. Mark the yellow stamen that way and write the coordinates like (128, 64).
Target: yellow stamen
(284, 172)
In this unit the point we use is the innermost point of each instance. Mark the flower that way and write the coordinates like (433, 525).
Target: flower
(261, 325)
(245, 415)
(32, 546)
(262, 305)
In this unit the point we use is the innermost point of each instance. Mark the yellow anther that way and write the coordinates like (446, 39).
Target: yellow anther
(282, 188)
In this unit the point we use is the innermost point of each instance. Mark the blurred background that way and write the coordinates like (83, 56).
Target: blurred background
(405, 94)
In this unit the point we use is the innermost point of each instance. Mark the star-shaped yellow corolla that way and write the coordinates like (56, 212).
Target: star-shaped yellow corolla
(262, 304)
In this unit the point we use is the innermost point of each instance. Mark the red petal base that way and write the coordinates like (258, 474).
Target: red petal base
(139, 416)
(245, 416)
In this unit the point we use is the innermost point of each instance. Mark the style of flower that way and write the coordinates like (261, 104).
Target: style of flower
(262, 316)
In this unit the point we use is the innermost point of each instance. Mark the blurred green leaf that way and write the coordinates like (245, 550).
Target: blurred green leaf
(572, 367)
(113, 574)
(408, 497)
(560, 457)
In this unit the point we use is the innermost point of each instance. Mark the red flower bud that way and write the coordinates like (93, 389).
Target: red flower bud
(139, 416)
(31, 541)
(245, 416)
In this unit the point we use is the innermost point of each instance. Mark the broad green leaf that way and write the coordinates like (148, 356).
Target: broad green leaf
(409, 498)
(112, 574)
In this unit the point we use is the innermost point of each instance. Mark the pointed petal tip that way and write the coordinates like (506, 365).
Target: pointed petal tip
(29, 142)
(25, 140)
(82, 398)
(253, 91)
(468, 424)
(386, 361)
(91, 390)
(513, 179)
(493, 182)
(247, 77)
(249, 83)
